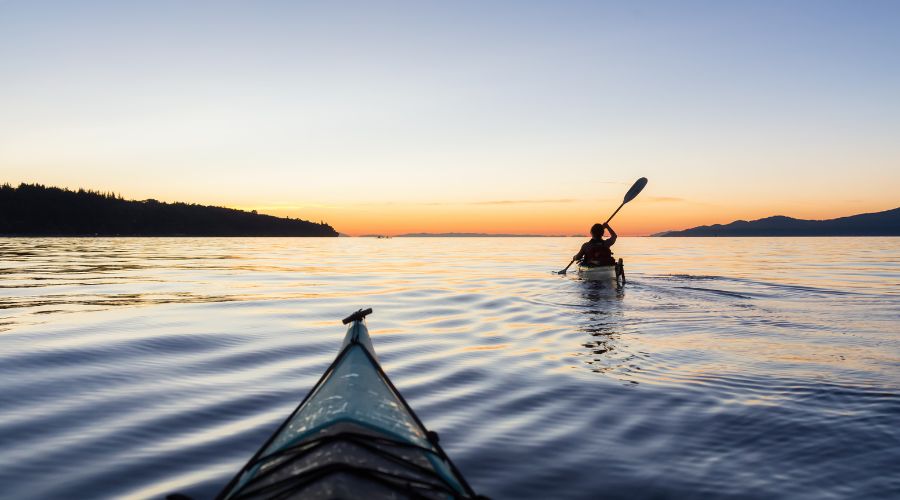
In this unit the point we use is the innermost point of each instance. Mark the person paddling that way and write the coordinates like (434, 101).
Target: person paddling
(596, 251)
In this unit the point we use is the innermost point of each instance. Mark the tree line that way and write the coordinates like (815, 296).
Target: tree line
(38, 210)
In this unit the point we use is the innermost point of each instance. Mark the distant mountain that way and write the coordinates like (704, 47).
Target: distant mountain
(469, 235)
(36, 210)
(885, 223)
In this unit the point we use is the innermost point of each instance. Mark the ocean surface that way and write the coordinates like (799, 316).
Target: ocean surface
(725, 368)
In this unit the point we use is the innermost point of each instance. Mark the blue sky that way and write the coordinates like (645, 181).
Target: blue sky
(732, 109)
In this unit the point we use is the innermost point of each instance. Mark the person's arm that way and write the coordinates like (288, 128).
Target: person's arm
(612, 236)
(580, 254)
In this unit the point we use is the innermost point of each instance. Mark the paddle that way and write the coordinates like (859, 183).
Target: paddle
(630, 195)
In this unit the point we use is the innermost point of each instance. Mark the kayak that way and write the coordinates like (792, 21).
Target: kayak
(602, 273)
(353, 436)
(597, 273)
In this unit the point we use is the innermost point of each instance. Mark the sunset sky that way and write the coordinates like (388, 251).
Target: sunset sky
(500, 117)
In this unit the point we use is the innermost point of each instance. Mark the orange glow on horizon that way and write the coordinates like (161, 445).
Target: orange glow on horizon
(554, 215)
(548, 219)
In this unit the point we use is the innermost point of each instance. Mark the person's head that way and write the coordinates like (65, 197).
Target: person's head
(597, 230)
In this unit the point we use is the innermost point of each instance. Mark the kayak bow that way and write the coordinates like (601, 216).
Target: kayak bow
(352, 436)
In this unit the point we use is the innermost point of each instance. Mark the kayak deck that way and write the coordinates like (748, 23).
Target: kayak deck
(352, 436)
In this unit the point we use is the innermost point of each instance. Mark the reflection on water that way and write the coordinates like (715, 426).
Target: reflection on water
(602, 325)
(752, 368)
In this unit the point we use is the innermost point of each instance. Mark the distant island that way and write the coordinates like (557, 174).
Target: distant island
(36, 210)
(885, 223)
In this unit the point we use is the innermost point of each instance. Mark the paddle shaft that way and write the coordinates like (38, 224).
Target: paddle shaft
(614, 213)
(567, 267)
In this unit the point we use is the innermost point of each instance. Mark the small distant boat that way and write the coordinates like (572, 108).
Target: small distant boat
(614, 273)
(353, 436)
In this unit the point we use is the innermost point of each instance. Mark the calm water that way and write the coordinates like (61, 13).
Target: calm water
(741, 368)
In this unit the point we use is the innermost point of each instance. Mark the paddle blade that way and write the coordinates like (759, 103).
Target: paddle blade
(635, 189)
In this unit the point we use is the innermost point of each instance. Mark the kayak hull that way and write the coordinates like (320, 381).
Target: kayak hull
(597, 273)
(613, 273)
(352, 436)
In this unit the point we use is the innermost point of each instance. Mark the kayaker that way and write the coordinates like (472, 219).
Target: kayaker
(596, 251)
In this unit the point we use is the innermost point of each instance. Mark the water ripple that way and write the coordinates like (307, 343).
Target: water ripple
(137, 367)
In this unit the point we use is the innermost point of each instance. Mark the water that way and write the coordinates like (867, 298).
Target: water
(741, 368)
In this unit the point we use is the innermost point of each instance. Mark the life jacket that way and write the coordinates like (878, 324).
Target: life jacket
(598, 253)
